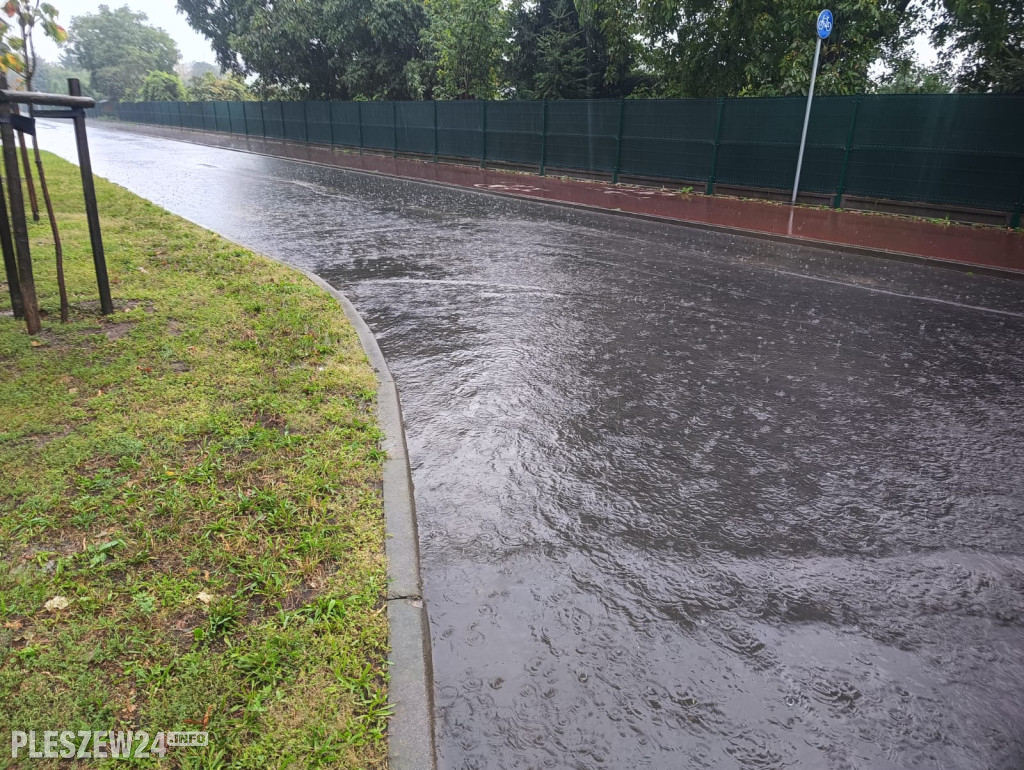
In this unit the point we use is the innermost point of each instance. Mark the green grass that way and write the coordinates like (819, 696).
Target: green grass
(199, 476)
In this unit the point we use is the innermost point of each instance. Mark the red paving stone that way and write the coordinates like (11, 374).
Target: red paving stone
(980, 246)
(983, 247)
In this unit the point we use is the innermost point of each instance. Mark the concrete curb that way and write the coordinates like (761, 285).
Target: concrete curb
(411, 686)
(193, 136)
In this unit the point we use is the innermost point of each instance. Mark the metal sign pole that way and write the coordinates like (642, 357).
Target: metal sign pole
(824, 30)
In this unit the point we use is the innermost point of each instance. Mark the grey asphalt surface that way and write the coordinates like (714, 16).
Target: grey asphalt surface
(685, 499)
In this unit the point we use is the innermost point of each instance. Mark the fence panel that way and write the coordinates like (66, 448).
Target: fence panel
(318, 122)
(208, 112)
(460, 130)
(583, 134)
(941, 149)
(236, 117)
(346, 124)
(222, 117)
(515, 132)
(669, 139)
(961, 150)
(293, 115)
(253, 112)
(378, 125)
(195, 115)
(273, 120)
(414, 127)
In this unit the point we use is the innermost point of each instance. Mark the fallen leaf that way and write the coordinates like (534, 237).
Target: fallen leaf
(72, 391)
(14, 625)
(204, 597)
(57, 603)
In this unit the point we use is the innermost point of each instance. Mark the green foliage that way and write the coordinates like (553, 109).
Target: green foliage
(763, 48)
(460, 49)
(908, 77)
(162, 87)
(53, 78)
(210, 88)
(119, 49)
(27, 15)
(987, 37)
(465, 38)
(335, 49)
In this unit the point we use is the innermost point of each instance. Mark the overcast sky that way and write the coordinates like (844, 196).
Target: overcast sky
(161, 13)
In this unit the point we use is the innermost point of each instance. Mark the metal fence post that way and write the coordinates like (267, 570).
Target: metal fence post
(394, 129)
(618, 142)
(435, 130)
(1018, 209)
(544, 138)
(710, 189)
(837, 202)
(359, 120)
(483, 132)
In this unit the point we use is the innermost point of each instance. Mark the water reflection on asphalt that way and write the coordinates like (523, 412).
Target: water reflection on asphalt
(686, 500)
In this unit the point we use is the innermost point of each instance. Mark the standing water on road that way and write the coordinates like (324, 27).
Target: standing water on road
(685, 499)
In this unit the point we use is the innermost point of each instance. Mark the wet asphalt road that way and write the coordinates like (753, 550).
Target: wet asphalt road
(686, 500)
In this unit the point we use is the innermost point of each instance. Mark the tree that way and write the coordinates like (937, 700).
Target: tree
(546, 56)
(119, 49)
(189, 71)
(210, 88)
(987, 37)
(53, 78)
(318, 49)
(909, 77)
(162, 87)
(465, 41)
(761, 47)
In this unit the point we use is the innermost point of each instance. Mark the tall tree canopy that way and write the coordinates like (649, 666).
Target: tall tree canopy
(464, 39)
(762, 47)
(118, 49)
(560, 49)
(399, 49)
(208, 87)
(162, 87)
(987, 36)
(320, 49)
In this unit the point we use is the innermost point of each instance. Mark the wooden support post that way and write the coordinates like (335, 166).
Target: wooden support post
(92, 211)
(23, 254)
(10, 261)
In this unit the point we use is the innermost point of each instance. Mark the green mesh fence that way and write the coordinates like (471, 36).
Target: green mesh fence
(961, 150)
(318, 122)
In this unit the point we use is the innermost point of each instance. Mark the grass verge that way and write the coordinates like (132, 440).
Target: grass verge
(197, 477)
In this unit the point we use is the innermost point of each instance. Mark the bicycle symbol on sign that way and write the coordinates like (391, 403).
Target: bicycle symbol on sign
(825, 24)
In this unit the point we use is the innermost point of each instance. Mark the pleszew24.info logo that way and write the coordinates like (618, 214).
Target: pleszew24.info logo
(99, 744)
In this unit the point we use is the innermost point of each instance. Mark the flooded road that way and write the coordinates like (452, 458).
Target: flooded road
(685, 500)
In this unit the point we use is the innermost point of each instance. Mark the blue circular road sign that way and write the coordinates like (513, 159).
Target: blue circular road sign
(825, 24)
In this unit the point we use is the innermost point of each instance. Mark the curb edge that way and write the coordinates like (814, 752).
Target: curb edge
(410, 689)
